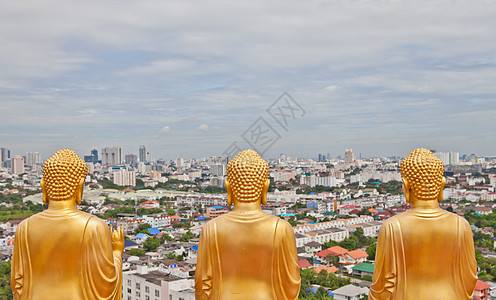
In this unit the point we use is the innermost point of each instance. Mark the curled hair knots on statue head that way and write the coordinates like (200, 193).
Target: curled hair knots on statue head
(62, 173)
(247, 174)
(424, 172)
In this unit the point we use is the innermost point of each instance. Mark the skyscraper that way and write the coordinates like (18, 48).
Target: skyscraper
(33, 158)
(4, 154)
(17, 165)
(349, 157)
(111, 156)
(142, 154)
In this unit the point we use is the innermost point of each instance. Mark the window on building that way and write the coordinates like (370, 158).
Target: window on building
(147, 289)
(137, 286)
(157, 293)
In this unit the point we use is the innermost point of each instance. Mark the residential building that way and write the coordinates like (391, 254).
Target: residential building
(156, 284)
(350, 292)
(481, 290)
(124, 177)
(111, 156)
(17, 165)
(349, 157)
(33, 158)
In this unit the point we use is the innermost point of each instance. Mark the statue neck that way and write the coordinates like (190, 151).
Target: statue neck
(247, 206)
(69, 204)
(424, 204)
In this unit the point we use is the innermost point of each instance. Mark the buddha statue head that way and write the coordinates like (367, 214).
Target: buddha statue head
(422, 174)
(63, 177)
(247, 178)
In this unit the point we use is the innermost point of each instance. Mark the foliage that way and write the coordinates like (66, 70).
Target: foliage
(170, 210)
(5, 290)
(149, 211)
(142, 228)
(166, 237)
(308, 277)
(371, 251)
(332, 259)
(212, 189)
(136, 252)
(109, 184)
(487, 267)
(151, 244)
(188, 235)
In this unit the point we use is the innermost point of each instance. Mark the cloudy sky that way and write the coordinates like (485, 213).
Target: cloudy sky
(188, 78)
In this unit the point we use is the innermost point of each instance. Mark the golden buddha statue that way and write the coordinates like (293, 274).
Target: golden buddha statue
(63, 253)
(247, 253)
(425, 252)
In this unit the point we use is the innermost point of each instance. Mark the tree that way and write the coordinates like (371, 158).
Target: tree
(152, 243)
(142, 228)
(371, 251)
(332, 259)
(166, 237)
(170, 210)
(5, 290)
(136, 252)
(349, 243)
(187, 236)
(450, 209)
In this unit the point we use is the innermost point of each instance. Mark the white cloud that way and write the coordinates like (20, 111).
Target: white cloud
(203, 127)
(331, 88)
(165, 129)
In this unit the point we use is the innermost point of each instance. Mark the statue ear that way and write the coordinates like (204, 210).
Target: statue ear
(440, 197)
(264, 192)
(79, 191)
(406, 190)
(229, 193)
(43, 189)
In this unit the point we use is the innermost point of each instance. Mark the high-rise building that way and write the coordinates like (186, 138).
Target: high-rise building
(449, 158)
(17, 165)
(93, 157)
(4, 154)
(349, 157)
(130, 159)
(111, 156)
(142, 154)
(218, 170)
(124, 177)
(33, 158)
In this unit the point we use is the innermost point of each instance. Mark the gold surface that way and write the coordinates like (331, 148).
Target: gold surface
(247, 254)
(425, 252)
(63, 253)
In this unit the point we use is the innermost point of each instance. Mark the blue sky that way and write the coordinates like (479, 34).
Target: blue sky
(187, 78)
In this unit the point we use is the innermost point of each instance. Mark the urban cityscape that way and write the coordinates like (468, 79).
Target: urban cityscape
(335, 204)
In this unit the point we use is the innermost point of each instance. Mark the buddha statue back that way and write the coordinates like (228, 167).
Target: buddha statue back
(425, 252)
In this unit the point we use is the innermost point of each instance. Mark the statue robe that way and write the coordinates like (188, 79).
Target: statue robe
(247, 256)
(426, 254)
(65, 255)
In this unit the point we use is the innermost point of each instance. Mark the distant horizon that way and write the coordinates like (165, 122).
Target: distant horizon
(45, 156)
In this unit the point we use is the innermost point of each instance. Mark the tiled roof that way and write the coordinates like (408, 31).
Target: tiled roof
(481, 285)
(303, 263)
(364, 267)
(331, 269)
(358, 253)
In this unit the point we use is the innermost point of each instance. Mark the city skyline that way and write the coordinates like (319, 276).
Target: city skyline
(188, 79)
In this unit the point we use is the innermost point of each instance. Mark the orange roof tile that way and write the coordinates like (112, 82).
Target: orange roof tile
(331, 269)
(481, 285)
(303, 263)
(358, 253)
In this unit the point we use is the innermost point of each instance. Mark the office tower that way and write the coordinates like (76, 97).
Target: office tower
(218, 170)
(131, 159)
(328, 156)
(17, 165)
(449, 158)
(4, 154)
(454, 158)
(142, 154)
(33, 158)
(349, 157)
(125, 178)
(111, 156)
(93, 157)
